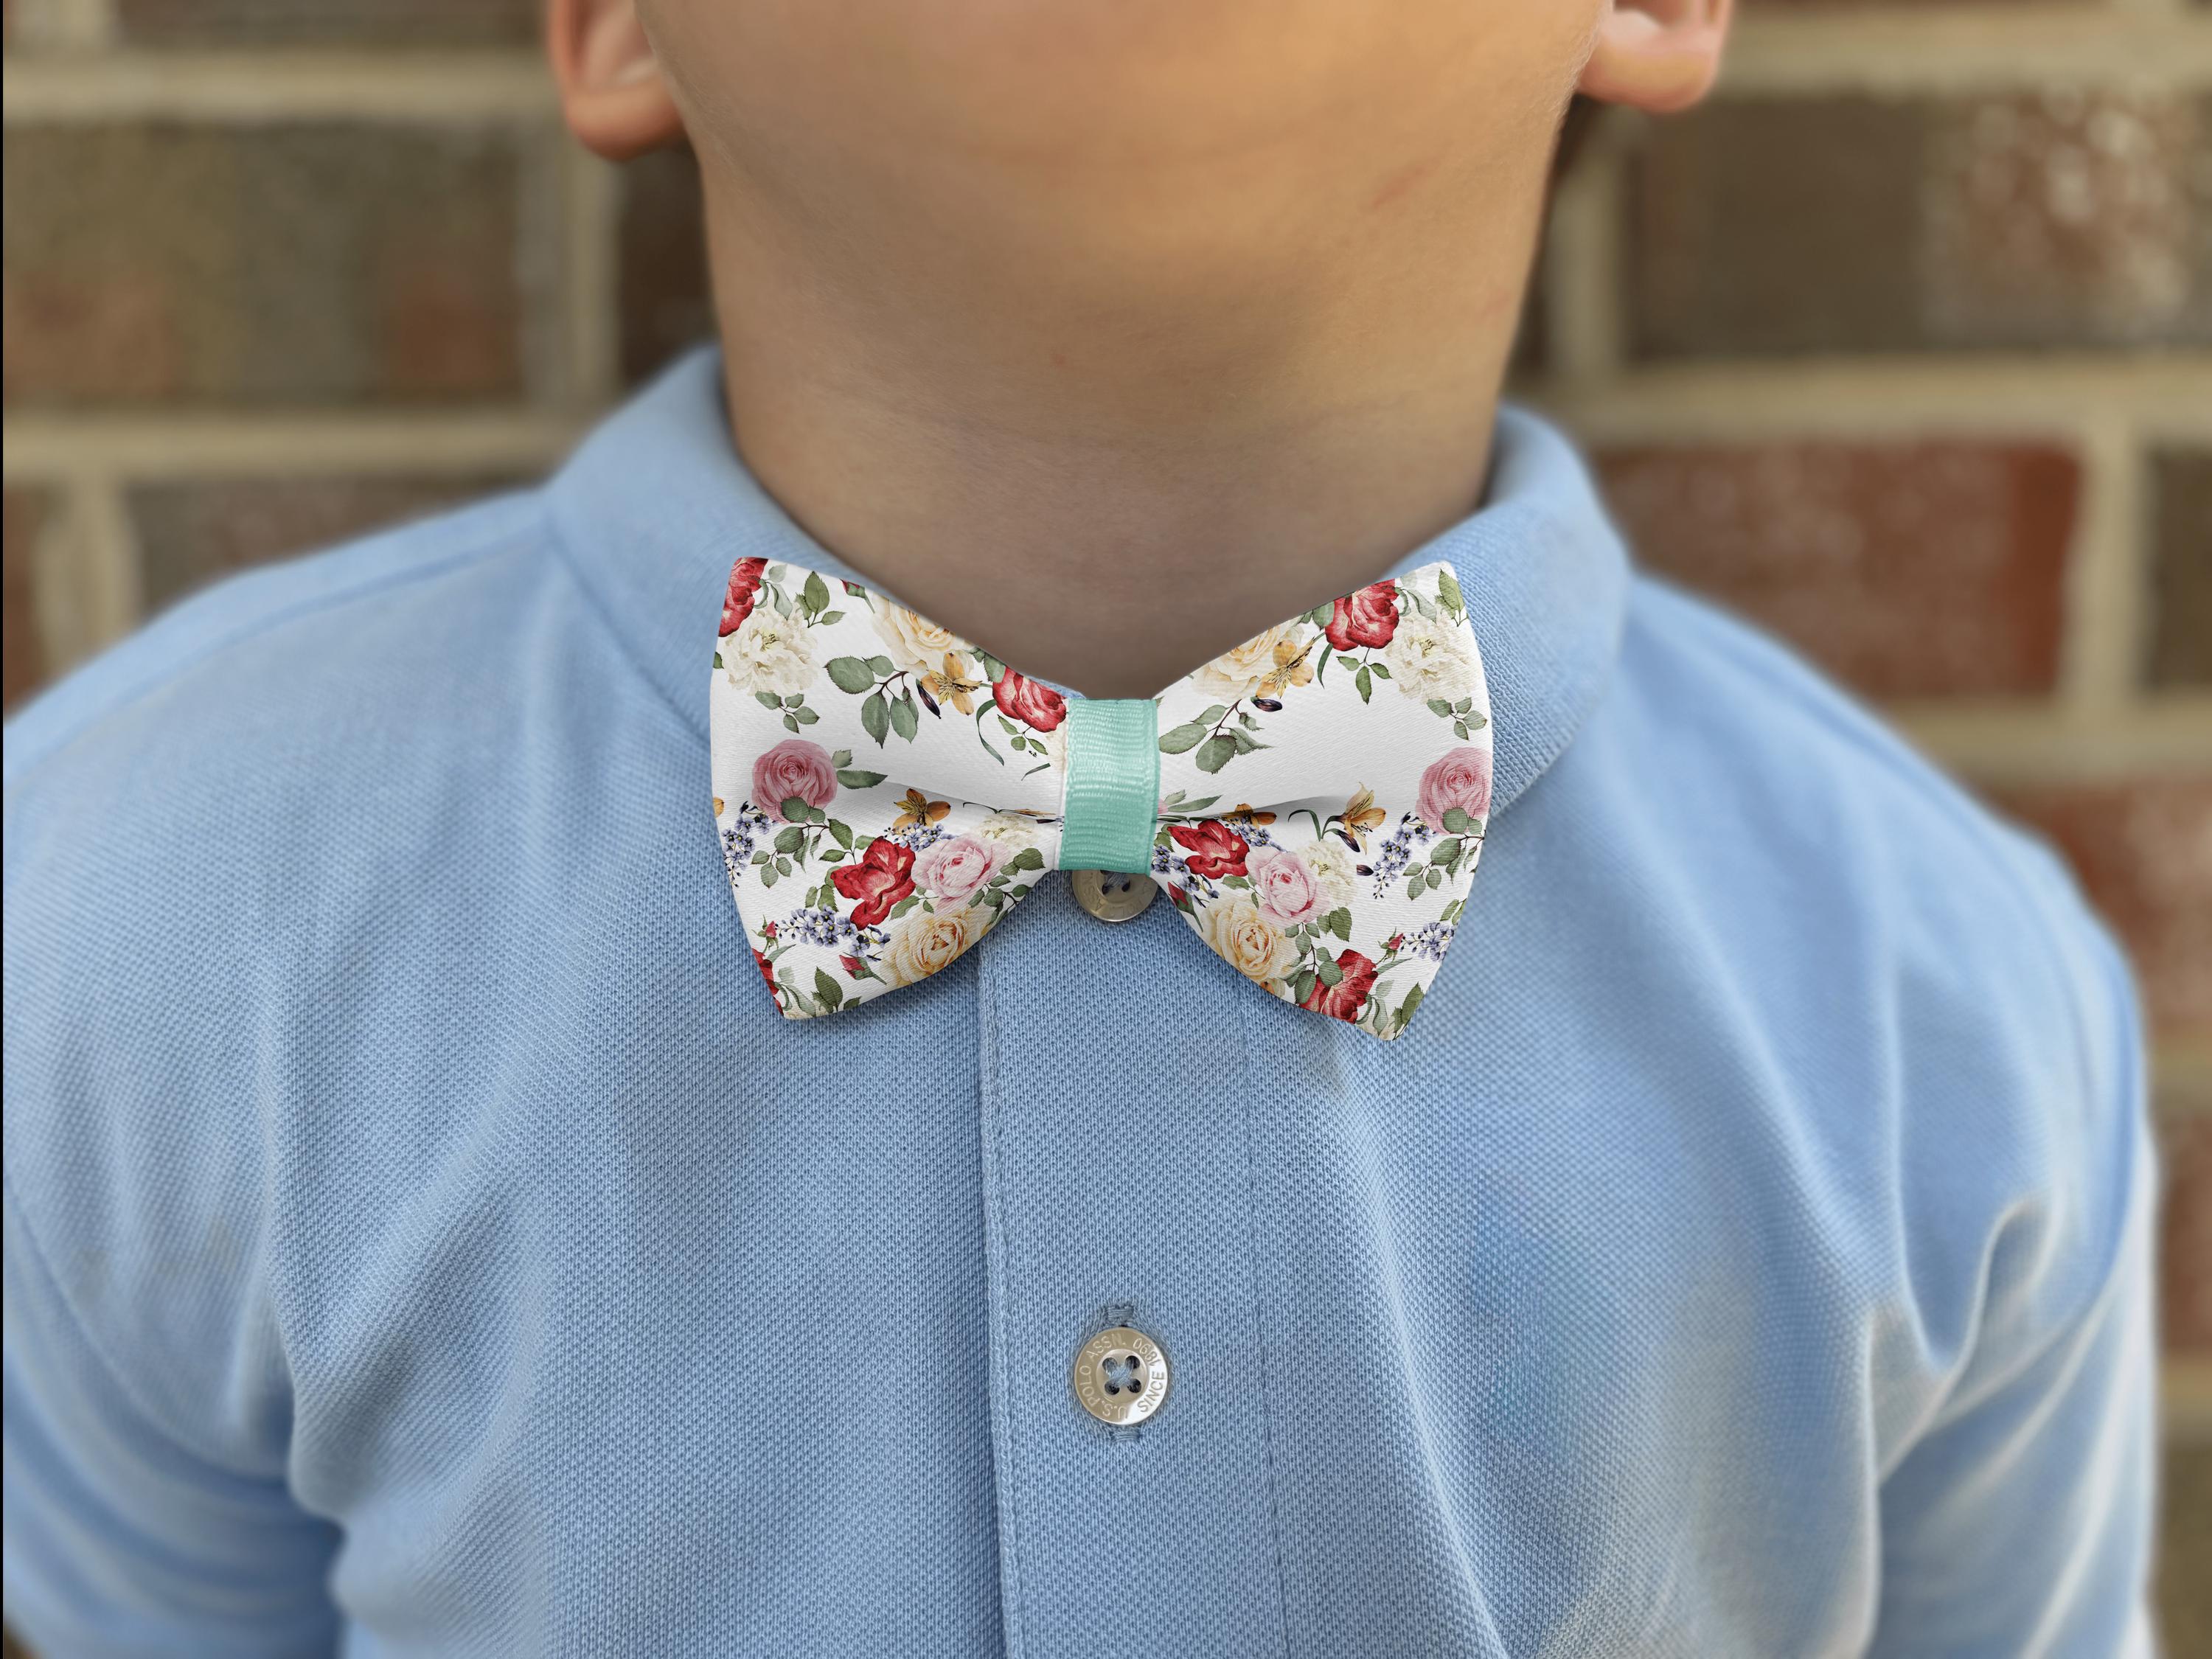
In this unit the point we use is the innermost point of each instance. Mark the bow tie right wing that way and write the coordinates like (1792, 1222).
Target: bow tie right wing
(1325, 788)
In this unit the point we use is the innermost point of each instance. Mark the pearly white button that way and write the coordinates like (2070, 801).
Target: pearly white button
(1111, 895)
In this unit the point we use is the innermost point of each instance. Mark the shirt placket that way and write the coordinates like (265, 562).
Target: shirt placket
(1118, 1192)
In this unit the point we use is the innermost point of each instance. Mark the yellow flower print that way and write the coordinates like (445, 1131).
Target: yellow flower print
(916, 810)
(1361, 814)
(1292, 668)
(952, 683)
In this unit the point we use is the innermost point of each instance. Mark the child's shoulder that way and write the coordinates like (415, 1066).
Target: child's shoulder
(336, 628)
(264, 754)
(1821, 843)
(1771, 739)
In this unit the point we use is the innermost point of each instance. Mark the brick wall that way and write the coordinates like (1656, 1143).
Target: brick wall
(1903, 346)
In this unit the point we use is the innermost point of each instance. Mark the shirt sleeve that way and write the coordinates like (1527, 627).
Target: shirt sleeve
(120, 1540)
(2020, 1522)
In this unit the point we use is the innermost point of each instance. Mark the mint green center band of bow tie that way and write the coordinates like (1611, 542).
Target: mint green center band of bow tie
(1112, 802)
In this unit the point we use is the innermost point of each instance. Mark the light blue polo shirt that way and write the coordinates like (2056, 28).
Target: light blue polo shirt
(424, 1236)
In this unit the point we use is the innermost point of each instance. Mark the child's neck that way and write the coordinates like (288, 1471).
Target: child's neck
(1108, 500)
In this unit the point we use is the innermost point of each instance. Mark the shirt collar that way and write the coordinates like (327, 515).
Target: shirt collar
(656, 505)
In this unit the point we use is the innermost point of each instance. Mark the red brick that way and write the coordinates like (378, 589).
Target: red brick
(273, 264)
(2142, 849)
(190, 533)
(326, 22)
(2180, 635)
(1773, 225)
(1907, 570)
(2057, 217)
(24, 513)
(1769, 225)
(2185, 1233)
(665, 302)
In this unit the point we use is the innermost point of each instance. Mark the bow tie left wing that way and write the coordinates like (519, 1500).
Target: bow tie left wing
(884, 791)
(1325, 789)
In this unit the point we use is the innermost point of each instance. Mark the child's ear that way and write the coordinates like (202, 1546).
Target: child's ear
(1656, 55)
(612, 90)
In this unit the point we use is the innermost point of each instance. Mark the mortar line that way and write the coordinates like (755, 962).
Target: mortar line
(2185, 1400)
(2047, 742)
(1943, 52)
(1584, 311)
(66, 25)
(243, 86)
(594, 194)
(34, 447)
(87, 585)
(2169, 396)
(2104, 574)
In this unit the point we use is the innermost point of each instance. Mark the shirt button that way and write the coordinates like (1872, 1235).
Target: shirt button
(1122, 1376)
(1110, 896)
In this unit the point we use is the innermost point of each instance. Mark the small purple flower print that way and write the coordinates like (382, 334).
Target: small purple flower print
(1432, 939)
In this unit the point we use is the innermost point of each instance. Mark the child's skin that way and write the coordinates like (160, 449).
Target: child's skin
(1118, 294)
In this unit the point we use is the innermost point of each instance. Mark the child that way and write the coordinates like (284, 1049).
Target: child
(441, 1220)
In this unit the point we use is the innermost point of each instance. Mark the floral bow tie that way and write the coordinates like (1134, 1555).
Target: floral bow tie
(887, 792)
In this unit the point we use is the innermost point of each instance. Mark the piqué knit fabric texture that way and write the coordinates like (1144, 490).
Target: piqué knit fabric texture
(424, 1236)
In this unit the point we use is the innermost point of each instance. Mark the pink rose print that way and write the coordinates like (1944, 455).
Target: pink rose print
(793, 767)
(1347, 998)
(955, 868)
(1367, 618)
(744, 588)
(1460, 778)
(1282, 886)
(1021, 698)
(879, 881)
(1213, 849)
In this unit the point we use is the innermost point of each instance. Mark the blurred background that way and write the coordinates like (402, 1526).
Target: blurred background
(1903, 347)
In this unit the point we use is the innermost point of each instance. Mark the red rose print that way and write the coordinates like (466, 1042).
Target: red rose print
(879, 881)
(1367, 618)
(767, 974)
(1214, 848)
(1019, 697)
(744, 588)
(1346, 998)
(851, 966)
